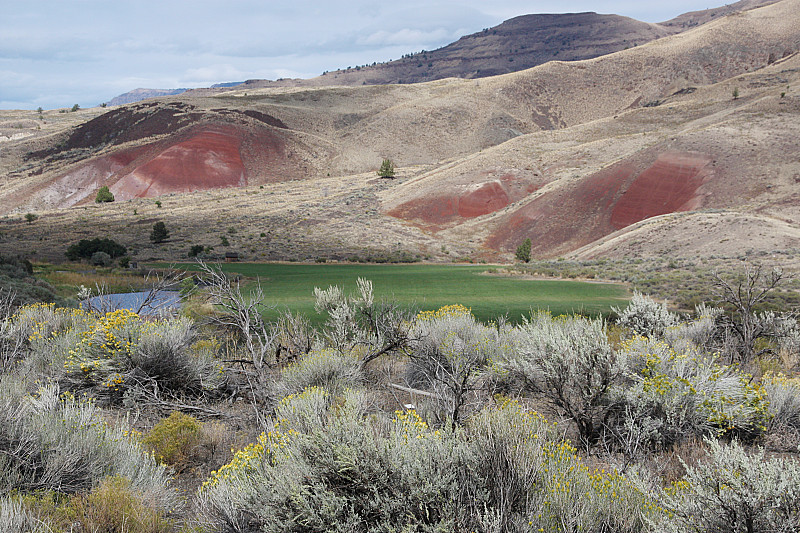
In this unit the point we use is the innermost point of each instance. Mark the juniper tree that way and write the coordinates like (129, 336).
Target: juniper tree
(387, 169)
(160, 233)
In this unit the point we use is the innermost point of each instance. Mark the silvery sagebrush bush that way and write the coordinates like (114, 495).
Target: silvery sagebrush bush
(358, 320)
(566, 361)
(327, 368)
(62, 444)
(644, 316)
(115, 354)
(670, 395)
(345, 469)
(15, 518)
(783, 395)
(734, 490)
(448, 353)
(697, 334)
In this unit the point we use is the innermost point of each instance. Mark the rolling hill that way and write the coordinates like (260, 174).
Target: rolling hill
(640, 151)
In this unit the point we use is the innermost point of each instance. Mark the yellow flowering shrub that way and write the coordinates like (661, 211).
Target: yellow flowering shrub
(690, 393)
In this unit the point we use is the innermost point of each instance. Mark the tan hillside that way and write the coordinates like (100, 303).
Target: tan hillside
(565, 153)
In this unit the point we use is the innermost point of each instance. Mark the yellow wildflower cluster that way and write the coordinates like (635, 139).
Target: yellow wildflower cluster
(318, 359)
(44, 321)
(747, 407)
(409, 425)
(448, 311)
(724, 396)
(313, 392)
(781, 379)
(114, 381)
(269, 449)
(105, 339)
(210, 346)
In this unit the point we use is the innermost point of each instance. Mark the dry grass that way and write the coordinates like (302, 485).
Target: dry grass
(68, 280)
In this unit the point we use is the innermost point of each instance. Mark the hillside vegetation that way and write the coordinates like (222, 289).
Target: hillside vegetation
(382, 420)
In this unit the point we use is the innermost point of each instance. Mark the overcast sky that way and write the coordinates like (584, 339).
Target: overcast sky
(56, 53)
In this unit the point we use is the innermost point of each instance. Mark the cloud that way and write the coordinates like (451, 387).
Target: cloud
(57, 53)
(211, 74)
(407, 36)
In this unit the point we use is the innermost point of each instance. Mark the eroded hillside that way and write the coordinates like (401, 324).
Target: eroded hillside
(567, 153)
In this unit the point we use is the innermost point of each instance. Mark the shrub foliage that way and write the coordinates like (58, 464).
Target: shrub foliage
(85, 248)
(329, 452)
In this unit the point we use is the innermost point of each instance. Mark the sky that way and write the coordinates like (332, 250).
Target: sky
(56, 53)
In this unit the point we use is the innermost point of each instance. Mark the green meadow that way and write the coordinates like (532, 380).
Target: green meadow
(428, 287)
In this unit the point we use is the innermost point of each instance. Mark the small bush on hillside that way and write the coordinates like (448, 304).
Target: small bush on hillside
(387, 169)
(104, 195)
(100, 259)
(159, 234)
(523, 252)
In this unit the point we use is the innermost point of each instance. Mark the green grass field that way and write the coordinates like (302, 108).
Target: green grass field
(428, 287)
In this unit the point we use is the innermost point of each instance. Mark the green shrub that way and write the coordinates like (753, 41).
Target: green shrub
(160, 233)
(114, 505)
(86, 247)
(523, 252)
(173, 439)
(196, 250)
(20, 286)
(100, 259)
(387, 169)
(104, 195)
